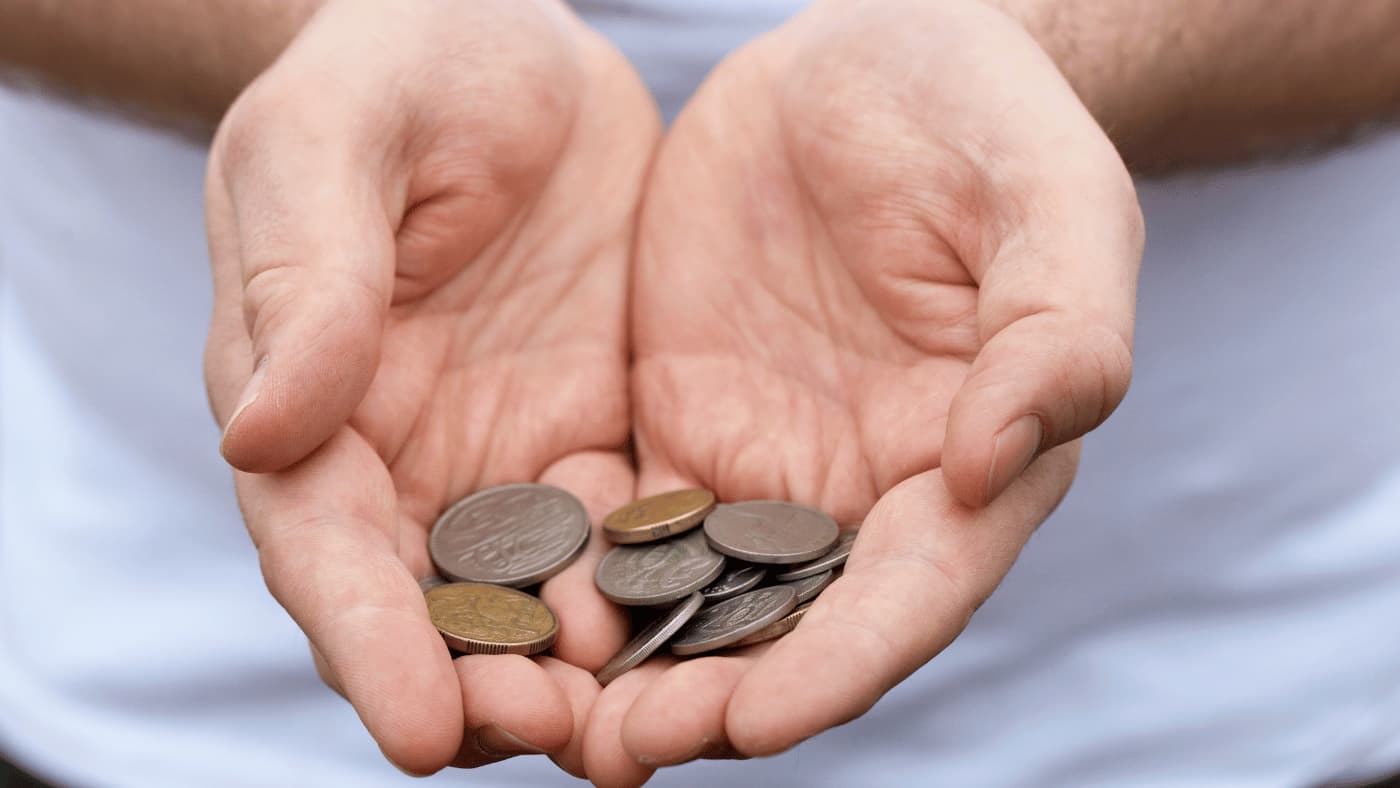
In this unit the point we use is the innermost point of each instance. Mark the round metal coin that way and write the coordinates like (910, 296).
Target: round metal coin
(650, 639)
(836, 557)
(477, 618)
(515, 535)
(658, 573)
(733, 620)
(776, 629)
(659, 516)
(737, 578)
(771, 532)
(808, 587)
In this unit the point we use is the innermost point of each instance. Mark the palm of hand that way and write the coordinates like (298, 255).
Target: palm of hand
(794, 338)
(829, 278)
(501, 356)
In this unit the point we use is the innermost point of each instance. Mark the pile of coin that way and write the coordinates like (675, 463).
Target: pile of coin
(725, 575)
(488, 545)
(729, 575)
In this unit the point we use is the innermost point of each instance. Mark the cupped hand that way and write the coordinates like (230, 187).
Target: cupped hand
(419, 222)
(885, 266)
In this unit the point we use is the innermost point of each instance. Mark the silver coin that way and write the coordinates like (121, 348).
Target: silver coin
(650, 639)
(771, 532)
(776, 629)
(660, 572)
(514, 535)
(836, 557)
(736, 579)
(733, 620)
(808, 587)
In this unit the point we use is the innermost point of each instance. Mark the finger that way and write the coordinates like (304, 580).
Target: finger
(1043, 380)
(591, 629)
(681, 715)
(511, 706)
(313, 246)
(228, 353)
(1055, 315)
(326, 537)
(582, 692)
(920, 567)
(606, 761)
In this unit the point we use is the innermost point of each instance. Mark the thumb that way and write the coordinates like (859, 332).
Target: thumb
(1055, 311)
(314, 251)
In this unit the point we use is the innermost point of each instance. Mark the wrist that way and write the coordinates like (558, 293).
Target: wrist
(271, 27)
(183, 69)
(1111, 57)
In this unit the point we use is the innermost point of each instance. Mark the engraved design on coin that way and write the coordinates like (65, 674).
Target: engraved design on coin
(658, 516)
(658, 573)
(513, 535)
(771, 532)
(720, 625)
(650, 639)
(478, 618)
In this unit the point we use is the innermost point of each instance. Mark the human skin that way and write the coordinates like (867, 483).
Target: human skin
(875, 241)
(1203, 82)
(1175, 84)
(168, 61)
(419, 221)
(886, 267)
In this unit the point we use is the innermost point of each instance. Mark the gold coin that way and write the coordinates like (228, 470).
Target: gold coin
(477, 618)
(659, 516)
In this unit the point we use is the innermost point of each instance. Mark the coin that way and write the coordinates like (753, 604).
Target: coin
(737, 578)
(431, 581)
(659, 516)
(513, 535)
(660, 572)
(836, 557)
(650, 639)
(771, 532)
(776, 629)
(477, 618)
(808, 587)
(733, 620)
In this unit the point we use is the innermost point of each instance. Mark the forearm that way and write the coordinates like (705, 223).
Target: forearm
(1202, 81)
(180, 60)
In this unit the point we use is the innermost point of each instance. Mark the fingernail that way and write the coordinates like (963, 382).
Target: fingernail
(499, 742)
(1012, 450)
(250, 393)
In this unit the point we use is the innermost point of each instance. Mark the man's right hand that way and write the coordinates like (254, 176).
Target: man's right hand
(419, 222)
(885, 267)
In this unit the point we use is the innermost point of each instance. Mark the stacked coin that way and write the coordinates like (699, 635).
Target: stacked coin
(488, 545)
(748, 575)
(723, 576)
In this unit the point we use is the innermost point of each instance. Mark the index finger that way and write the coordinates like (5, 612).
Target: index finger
(326, 530)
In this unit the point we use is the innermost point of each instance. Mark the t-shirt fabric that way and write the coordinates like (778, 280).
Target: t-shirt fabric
(1214, 604)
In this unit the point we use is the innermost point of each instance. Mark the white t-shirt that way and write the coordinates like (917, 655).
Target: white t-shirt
(1213, 605)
